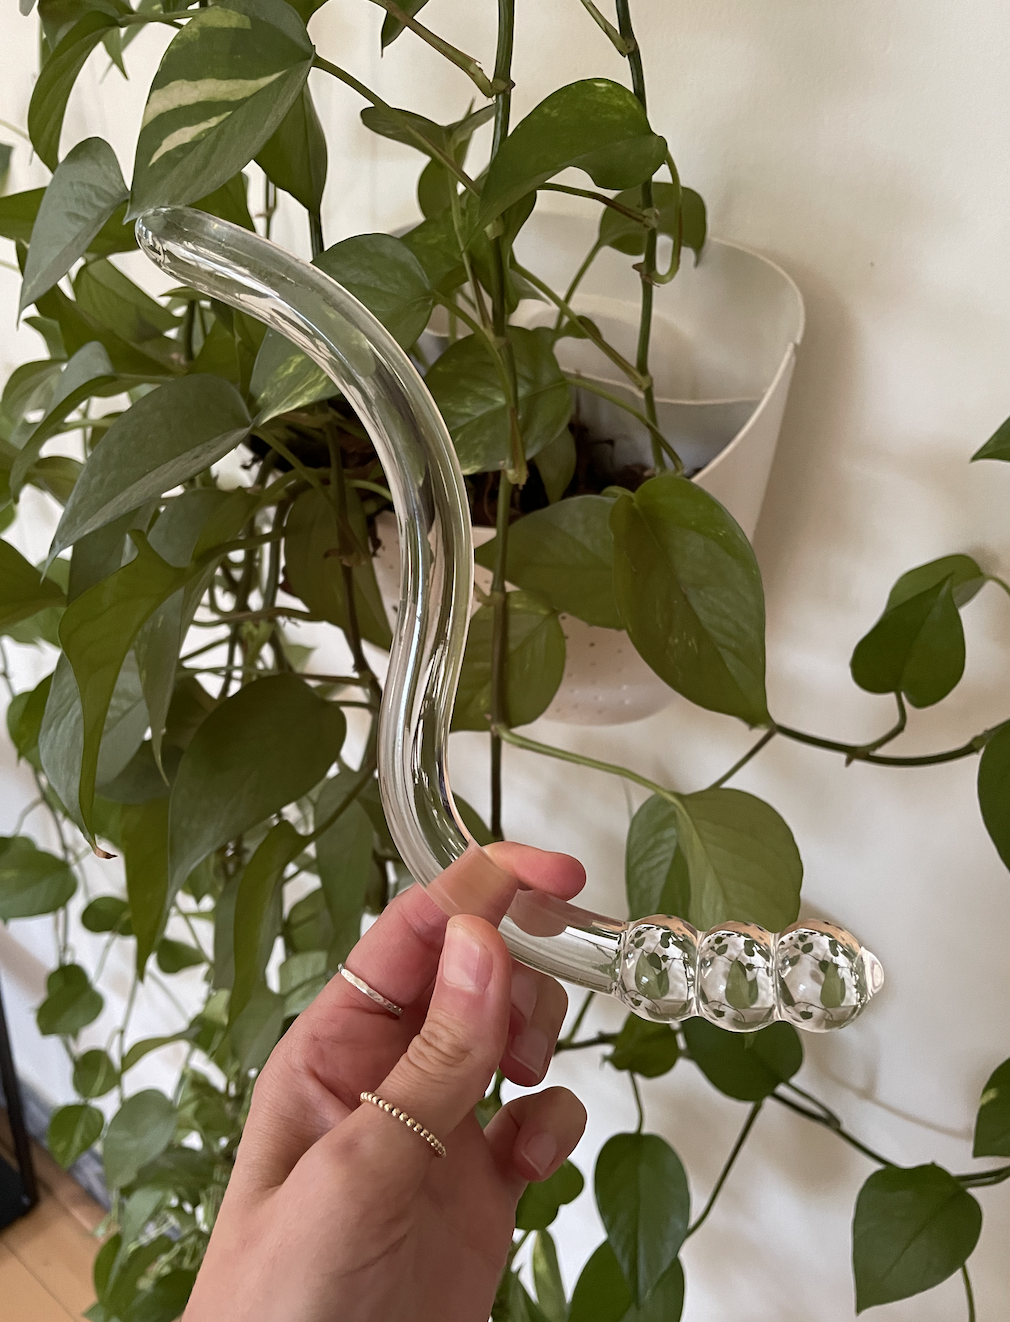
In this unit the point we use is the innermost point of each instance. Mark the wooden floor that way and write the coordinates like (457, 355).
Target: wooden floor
(46, 1257)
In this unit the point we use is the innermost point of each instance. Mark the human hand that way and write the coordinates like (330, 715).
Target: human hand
(336, 1210)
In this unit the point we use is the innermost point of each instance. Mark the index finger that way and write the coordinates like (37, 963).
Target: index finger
(398, 955)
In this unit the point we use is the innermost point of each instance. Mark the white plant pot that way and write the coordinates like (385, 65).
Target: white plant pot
(724, 340)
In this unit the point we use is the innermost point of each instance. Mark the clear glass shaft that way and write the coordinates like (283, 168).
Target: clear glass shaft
(637, 962)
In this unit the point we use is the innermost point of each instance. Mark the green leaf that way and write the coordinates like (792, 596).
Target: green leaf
(198, 131)
(384, 274)
(111, 298)
(23, 591)
(392, 27)
(106, 913)
(541, 1201)
(31, 881)
(656, 875)
(916, 648)
(998, 444)
(257, 910)
(565, 554)
(144, 840)
(594, 125)
(436, 247)
(266, 746)
(473, 821)
(72, 1002)
(992, 1126)
(556, 466)
(24, 720)
(742, 861)
(689, 592)
(308, 928)
(83, 193)
(56, 80)
(18, 212)
(749, 1067)
(88, 373)
(173, 956)
(294, 158)
(643, 1199)
(547, 1279)
(97, 631)
(601, 1293)
(94, 1074)
(301, 978)
(140, 1130)
(994, 789)
(344, 860)
(467, 387)
(168, 436)
(257, 1030)
(72, 1130)
(645, 1048)
(912, 1229)
(536, 662)
(146, 1045)
(167, 1298)
(681, 211)
(312, 550)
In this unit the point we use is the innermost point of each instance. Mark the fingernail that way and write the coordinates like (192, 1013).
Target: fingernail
(530, 1048)
(466, 962)
(540, 1151)
(524, 992)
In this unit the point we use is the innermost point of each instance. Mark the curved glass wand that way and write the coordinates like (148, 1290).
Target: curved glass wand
(815, 975)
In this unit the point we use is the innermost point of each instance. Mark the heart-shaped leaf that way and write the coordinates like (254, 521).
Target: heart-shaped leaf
(72, 1130)
(994, 789)
(295, 158)
(23, 590)
(269, 744)
(748, 1067)
(912, 1229)
(140, 1130)
(689, 592)
(594, 125)
(71, 1004)
(565, 554)
(31, 881)
(655, 870)
(199, 131)
(85, 190)
(536, 662)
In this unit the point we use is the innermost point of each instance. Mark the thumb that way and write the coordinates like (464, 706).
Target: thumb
(447, 1067)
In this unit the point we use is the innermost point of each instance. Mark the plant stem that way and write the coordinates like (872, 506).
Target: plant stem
(643, 218)
(724, 1174)
(406, 123)
(486, 86)
(316, 233)
(835, 1126)
(858, 752)
(515, 474)
(890, 734)
(766, 738)
(562, 754)
(968, 1292)
(594, 388)
(647, 268)
(590, 257)
(588, 329)
(569, 1037)
(638, 1102)
(620, 44)
(600, 1040)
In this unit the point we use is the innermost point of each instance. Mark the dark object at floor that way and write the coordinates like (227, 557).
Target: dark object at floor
(18, 1188)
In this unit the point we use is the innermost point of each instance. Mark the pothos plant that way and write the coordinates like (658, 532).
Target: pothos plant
(185, 729)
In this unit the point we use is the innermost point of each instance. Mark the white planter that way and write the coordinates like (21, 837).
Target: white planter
(724, 340)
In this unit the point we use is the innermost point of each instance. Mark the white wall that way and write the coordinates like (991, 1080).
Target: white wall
(863, 146)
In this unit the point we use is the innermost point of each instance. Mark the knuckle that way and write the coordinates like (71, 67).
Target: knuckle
(441, 1047)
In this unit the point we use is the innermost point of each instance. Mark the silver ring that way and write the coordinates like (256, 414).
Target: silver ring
(370, 992)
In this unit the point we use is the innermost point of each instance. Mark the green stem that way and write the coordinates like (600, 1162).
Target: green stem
(600, 1040)
(647, 268)
(766, 738)
(888, 735)
(620, 44)
(984, 1179)
(830, 1122)
(857, 753)
(569, 1037)
(562, 754)
(486, 86)
(1000, 583)
(644, 218)
(594, 388)
(968, 1292)
(755, 1111)
(352, 628)
(406, 123)
(577, 278)
(499, 651)
(638, 1101)
(587, 328)
(316, 233)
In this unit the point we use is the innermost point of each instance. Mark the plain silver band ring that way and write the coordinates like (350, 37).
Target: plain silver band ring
(370, 992)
